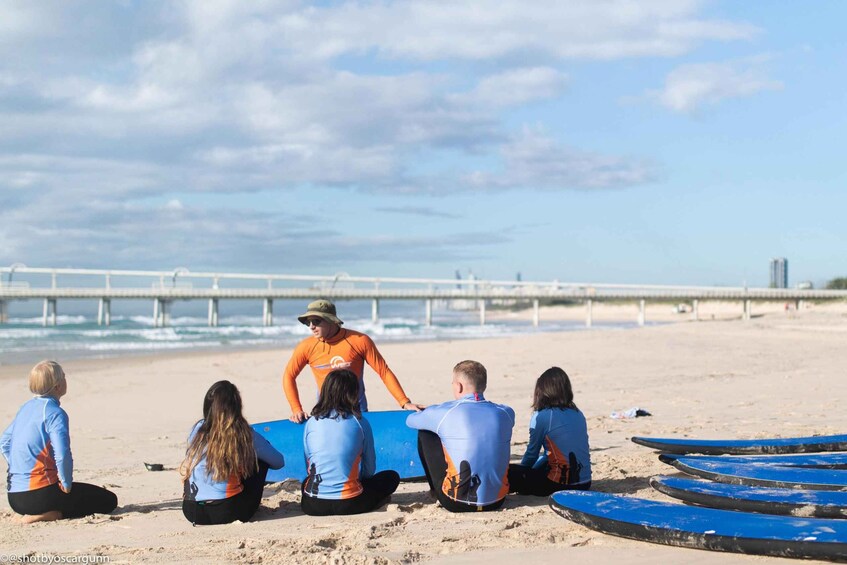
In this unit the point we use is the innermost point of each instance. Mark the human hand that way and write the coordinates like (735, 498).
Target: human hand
(413, 406)
(65, 490)
(298, 417)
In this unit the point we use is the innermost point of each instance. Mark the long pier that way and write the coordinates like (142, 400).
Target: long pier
(165, 287)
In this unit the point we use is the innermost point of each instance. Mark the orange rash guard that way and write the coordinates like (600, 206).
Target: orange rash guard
(347, 349)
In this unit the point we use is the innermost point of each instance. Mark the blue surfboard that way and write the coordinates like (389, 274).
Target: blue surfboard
(704, 528)
(764, 475)
(765, 500)
(396, 445)
(811, 444)
(814, 460)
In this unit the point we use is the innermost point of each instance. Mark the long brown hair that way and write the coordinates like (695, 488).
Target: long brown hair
(339, 392)
(553, 390)
(224, 437)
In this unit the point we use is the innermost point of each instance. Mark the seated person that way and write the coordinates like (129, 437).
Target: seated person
(226, 462)
(37, 447)
(464, 444)
(558, 428)
(340, 456)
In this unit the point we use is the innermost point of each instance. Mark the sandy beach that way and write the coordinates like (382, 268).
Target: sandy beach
(779, 374)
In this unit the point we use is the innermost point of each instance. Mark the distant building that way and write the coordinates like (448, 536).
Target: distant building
(779, 272)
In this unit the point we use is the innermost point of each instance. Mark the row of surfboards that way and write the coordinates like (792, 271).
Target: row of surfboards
(782, 497)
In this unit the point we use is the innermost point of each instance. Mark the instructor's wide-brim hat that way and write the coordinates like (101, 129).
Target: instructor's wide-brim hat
(320, 309)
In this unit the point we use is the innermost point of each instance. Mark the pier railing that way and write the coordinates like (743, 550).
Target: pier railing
(164, 287)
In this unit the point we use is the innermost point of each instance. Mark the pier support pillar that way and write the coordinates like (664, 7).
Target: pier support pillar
(429, 312)
(49, 312)
(695, 310)
(747, 310)
(535, 316)
(268, 313)
(104, 312)
(589, 305)
(375, 310)
(161, 313)
(213, 312)
(482, 312)
(642, 318)
(4, 312)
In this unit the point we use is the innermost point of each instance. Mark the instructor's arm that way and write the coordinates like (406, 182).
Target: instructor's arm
(378, 364)
(289, 385)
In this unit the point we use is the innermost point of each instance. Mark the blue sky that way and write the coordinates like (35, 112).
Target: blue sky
(676, 142)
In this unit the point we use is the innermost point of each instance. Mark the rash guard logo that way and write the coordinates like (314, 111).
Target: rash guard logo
(338, 362)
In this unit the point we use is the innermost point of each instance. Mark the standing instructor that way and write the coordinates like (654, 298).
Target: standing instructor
(332, 347)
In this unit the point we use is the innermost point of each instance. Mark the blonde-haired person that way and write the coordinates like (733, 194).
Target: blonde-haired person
(37, 448)
(226, 462)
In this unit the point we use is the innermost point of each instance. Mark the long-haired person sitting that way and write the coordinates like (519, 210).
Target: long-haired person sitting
(557, 456)
(226, 462)
(340, 456)
(37, 447)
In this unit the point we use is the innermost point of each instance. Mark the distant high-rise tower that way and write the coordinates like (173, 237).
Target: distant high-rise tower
(779, 272)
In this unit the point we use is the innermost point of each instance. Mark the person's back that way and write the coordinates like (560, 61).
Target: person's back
(337, 456)
(201, 486)
(476, 436)
(38, 446)
(464, 444)
(558, 431)
(564, 435)
(340, 456)
(226, 462)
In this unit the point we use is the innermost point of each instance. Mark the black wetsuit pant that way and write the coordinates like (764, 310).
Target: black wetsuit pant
(526, 480)
(240, 507)
(375, 493)
(435, 466)
(83, 500)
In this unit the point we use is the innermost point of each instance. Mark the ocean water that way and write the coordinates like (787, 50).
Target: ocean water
(24, 339)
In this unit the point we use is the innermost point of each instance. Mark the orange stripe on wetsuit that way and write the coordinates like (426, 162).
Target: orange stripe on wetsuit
(44, 471)
(558, 463)
(347, 349)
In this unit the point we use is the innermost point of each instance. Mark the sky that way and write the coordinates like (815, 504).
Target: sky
(649, 141)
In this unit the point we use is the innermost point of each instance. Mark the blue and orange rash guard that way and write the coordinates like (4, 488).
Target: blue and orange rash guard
(475, 435)
(37, 446)
(563, 436)
(339, 454)
(347, 349)
(202, 487)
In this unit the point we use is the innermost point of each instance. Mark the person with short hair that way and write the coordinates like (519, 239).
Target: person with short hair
(226, 462)
(340, 455)
(333, 347)
(37, 448)
(557, 431)
(464, 444)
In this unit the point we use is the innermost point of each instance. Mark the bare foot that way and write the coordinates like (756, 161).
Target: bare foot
(46, 517)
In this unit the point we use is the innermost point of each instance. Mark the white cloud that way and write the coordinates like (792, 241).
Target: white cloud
(586, 29)
(515, 87)
(689, 88)
(534, 160)
(141, 102)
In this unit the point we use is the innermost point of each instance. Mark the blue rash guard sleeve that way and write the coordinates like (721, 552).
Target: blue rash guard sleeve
(536, 441)
(266, 452)
(56, 426)
(429, 418)
(6, 442)
(368, 451)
